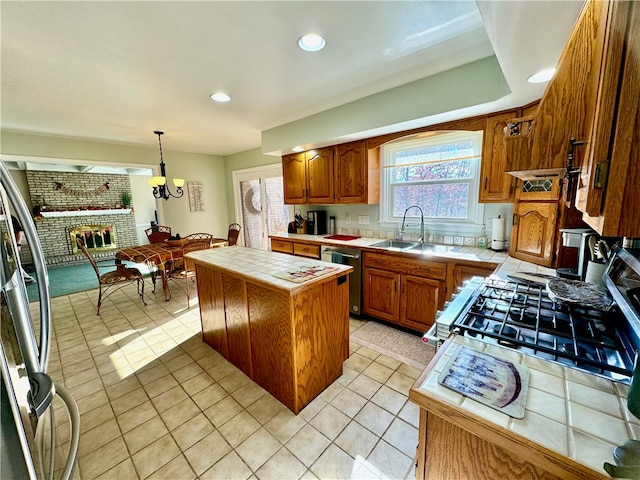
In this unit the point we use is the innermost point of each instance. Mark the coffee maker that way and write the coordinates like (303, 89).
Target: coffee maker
(576, 238)
(317, 222)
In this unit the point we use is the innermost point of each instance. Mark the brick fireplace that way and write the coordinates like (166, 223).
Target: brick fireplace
(80, 203)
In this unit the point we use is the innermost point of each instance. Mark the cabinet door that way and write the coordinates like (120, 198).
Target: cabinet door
(351, 172)
(320, 176)
(570, 105)
(496, 186)
(237, 319)
(533, 232)
(611, 201)
(419, 301)
(381, 294)
(463, 273)
(294, 178)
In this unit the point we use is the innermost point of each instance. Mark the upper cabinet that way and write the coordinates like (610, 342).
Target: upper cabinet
(346, 173)
(357, 173)
(495, 184)
(586, 128)
(309, 176)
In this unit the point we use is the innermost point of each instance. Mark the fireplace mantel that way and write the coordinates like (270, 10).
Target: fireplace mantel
(86, 213)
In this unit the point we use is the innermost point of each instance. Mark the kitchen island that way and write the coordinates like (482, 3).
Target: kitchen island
(572, 422)
(282, 320)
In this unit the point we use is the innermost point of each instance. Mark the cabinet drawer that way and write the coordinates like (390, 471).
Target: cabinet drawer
(303, 250)
(281, 246)
(410, 266)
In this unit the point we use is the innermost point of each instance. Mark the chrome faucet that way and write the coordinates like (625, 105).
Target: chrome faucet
(404, 217)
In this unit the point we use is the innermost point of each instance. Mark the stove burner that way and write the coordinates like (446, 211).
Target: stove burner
(521, 316)
(506, 331)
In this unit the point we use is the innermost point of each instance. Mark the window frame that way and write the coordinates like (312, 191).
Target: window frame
(470, 226)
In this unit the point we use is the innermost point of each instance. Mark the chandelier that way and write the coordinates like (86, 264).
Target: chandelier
(159, 184)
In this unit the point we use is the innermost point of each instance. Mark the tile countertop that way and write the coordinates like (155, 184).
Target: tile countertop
(579, 416)
(506, 263)
(259, 266)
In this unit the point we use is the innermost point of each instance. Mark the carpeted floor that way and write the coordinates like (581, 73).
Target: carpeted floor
(397, 344)
(64, 280)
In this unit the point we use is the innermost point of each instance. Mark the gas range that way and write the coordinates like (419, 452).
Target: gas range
(523, 315)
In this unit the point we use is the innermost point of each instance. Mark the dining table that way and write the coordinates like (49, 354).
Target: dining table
(159, 257)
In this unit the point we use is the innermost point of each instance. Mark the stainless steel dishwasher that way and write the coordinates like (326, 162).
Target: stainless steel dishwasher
(353, 258)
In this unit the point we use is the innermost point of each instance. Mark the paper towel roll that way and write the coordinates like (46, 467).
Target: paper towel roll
(497, 234)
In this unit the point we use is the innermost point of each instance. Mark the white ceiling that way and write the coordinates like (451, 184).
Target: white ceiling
(116, 71)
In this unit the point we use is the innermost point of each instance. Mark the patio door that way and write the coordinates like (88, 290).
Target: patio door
(259, 204)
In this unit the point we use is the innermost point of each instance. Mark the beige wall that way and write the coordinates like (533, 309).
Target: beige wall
(175, 212)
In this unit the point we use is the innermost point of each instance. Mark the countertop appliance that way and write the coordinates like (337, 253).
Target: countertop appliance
(317, 221)
(27, 423)
(520, 314)
(352, 257)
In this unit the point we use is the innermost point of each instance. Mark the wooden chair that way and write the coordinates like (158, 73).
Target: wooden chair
(234, 232)
(158, 233)
(112, 281)
(184, 270)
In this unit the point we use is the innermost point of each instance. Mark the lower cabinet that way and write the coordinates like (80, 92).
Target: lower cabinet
(459, 273)
(403, 291)
(296, 248)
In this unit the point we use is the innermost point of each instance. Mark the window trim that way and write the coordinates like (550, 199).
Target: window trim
(471, 226)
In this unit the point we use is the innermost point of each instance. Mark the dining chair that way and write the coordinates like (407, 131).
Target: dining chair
(113, 280)
(184, 270)
(234, 232)
(158, 233)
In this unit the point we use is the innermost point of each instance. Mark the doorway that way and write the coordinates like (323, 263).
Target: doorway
(259, 204)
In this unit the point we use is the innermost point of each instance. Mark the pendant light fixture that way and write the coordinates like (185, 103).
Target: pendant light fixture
(159, 184)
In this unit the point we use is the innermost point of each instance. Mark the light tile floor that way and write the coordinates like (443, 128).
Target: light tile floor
(158, 403)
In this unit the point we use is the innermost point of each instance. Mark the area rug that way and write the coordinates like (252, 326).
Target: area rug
(402, 346)
(68, 279)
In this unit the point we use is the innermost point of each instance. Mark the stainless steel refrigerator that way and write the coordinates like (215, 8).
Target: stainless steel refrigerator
(28, 435)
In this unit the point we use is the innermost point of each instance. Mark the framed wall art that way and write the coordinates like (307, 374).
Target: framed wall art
(196, 196)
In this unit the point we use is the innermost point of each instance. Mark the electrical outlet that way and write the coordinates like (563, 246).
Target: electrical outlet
(347, 219)
(363, 219)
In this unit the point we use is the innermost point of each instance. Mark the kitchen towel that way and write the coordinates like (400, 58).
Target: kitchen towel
(497, 233)
(336, 257)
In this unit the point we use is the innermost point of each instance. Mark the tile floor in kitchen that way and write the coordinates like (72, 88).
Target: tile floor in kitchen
(157, 402)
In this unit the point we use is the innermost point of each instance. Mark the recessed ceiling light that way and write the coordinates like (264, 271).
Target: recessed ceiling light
(297, 149)
(311, 42)
(220, 97)
(542, 76)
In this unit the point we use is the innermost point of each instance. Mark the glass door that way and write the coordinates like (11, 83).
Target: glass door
(259, 204)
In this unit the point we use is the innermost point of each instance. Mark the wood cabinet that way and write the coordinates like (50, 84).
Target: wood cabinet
(568, 107)
(495, 184)
(533, 232)
(593, 99)
(308, 177)
(357, 173)
(608, 192)
(291, 342)
(402, 290)
(457, 274)
(296, 248)
(346, 173)
(539, 214)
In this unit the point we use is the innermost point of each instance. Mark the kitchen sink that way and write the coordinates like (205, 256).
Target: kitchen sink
(396, 244)
(432, 248)
(413, 247)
